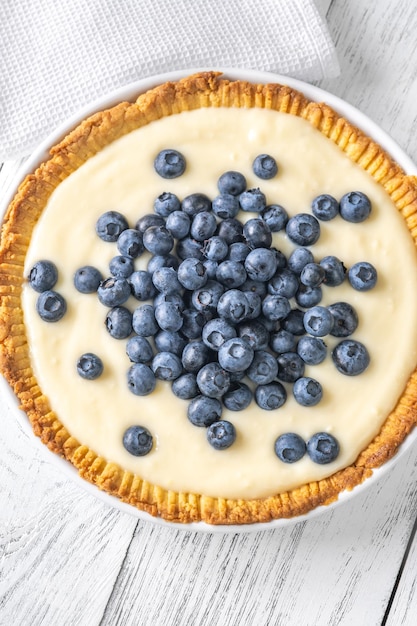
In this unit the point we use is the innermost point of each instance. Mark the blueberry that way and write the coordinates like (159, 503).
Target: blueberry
(130, 243)
(87, 279)
(143, 321)
(221, 434)
(235, 355)
(318, 321)
(216, 332)
(166, 366)
(203, 226)
(257, 233)
(51, 306)
(308, 296)
(189, 248)
(193, 322)
(231, 230)
(148, 220)
(275, 308)
(322, 448)
(169, 316)
(307, 391)
(294, 322)
(254, 286)
(255, 305)
(158, 240)
(195, 355)
(232, 182)
(232, 274)
(275, 216)
(192, 274)
(270, 326)
(211, 268)
(208, 296)
(238, 251)
(290, 447)
(175, 298)
(165, 279)
(312, 350)
(299, 258)
(43, 276)
(195, 203)
(265, 166)
(325, 207)
(215, 248)
(355, 206)
(110, 225)
(162, 260)
(140, 379)
(113, 291)
(178, 223)
(121, 266)
(185, 387)
(252, 200)
(236, 377)
(312, 275)
(89, 366)
(238, 397)
(226, 205)
(141, 285)
(271, 396)
(283, 283)
(345, 319)
(139, 350)
(362, 276)
(204, 411)
(166, 203)
(350, 357)
(137, 440)
(119, 322)
(212, 380)
(303, 229)
(261, 264)
(170, 341)
(290, 367)
(334, 271)
(233, 306)
(282, 341)
(263, 369)
(169, 163)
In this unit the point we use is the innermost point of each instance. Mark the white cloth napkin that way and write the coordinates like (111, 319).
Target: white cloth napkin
(57, 56)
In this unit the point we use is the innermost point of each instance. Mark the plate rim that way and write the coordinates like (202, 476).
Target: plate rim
(129, 92)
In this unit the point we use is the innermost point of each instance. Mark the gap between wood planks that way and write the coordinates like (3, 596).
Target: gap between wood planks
(109, 599)
(400, 573)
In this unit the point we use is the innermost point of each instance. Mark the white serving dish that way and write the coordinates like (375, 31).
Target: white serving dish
(130, 92)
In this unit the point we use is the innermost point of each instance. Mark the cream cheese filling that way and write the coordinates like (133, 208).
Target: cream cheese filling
(121, 177)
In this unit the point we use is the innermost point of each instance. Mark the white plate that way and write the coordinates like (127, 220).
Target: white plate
(130, 92)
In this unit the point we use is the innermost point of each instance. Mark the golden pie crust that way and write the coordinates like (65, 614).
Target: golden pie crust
(208, 89)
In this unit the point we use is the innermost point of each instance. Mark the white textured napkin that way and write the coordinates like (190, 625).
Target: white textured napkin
(58, 55)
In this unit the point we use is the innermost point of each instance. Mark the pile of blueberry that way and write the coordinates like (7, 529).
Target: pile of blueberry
(226, 317)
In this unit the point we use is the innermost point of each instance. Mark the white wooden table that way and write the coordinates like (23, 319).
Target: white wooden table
(68, 559)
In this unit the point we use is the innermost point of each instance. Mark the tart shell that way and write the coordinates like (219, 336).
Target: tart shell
(206, 89)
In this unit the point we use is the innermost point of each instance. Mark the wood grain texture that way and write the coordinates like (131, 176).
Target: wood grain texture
(377, 50)
(57, 543)
(313, 573)
(68, 559)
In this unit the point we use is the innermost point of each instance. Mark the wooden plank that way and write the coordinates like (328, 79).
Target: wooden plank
(323, 6)
(60, 548)
(403, 609)
(377, 51)
(336, 569)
